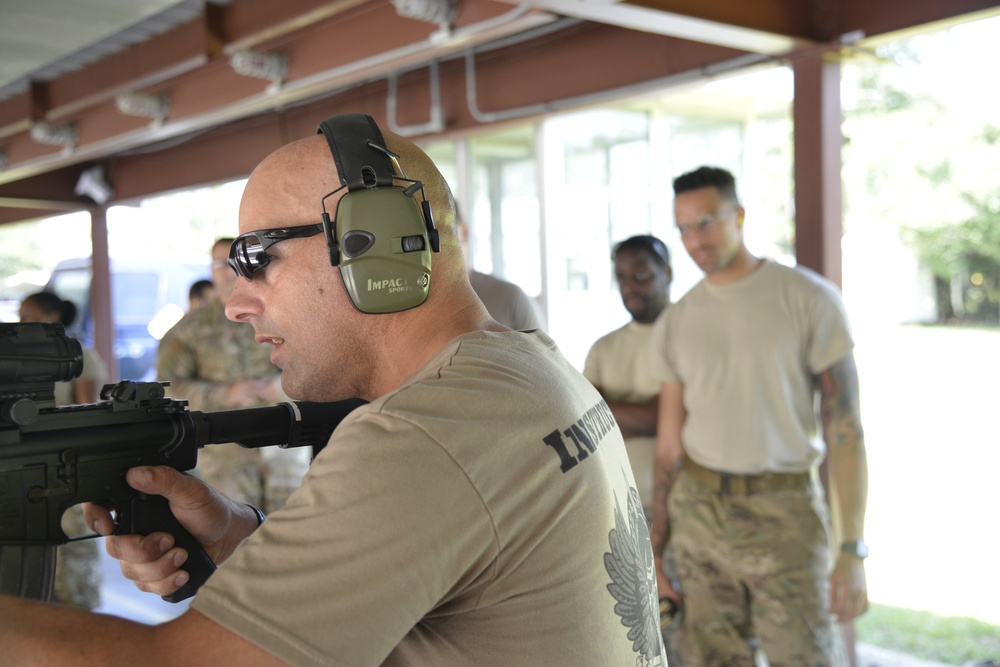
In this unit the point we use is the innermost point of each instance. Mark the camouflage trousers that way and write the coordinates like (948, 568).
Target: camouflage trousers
(668, 626)
(263, 477)
(669, 629)
(78, 565)
(754, 572)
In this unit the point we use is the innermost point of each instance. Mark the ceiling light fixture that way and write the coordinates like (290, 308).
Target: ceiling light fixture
(45, 132)
(260, 65)
(441, 12)
(143, 105)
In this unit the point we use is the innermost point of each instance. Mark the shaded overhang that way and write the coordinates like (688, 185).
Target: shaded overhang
(236, 79)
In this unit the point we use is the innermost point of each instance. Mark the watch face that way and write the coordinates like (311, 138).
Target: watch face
(856, 548)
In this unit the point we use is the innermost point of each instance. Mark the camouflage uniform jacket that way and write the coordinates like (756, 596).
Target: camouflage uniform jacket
(204, 352)
(201, 356)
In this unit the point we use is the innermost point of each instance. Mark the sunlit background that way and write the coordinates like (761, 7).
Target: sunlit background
(547, 199)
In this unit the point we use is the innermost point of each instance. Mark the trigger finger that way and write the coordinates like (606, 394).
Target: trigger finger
(98, 518)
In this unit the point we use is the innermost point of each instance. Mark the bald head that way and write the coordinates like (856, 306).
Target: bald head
(325, 346)
(297, 176)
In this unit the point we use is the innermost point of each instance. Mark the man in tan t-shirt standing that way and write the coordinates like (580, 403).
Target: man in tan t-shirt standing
(742, 357)
(618, 366)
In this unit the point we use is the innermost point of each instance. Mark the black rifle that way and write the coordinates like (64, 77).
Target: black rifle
(52, 458)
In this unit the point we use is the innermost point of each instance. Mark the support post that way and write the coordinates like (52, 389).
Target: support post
(100, 290)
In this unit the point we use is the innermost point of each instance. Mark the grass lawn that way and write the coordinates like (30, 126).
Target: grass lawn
(930, 400)
(951, 640)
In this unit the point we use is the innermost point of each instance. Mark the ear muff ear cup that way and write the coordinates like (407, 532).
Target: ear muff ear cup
(381, 237)
(385, 260)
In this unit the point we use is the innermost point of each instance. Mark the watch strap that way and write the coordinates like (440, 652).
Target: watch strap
(856, 548)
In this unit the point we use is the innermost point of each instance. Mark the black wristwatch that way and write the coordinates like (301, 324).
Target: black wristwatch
(856, 548)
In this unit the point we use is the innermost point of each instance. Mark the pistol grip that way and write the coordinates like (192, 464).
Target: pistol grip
(151, 514)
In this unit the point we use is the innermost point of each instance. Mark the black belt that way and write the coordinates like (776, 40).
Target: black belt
(728, 484)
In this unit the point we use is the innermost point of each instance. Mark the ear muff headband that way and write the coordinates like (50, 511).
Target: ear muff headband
(381, 238)
(358, 164)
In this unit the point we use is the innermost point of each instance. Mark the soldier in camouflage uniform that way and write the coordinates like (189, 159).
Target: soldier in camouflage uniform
(742, 358)
(215, 364)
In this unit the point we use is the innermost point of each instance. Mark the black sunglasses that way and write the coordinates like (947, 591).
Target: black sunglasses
(248, 254)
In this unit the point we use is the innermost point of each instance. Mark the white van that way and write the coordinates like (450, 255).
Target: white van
(146, 299)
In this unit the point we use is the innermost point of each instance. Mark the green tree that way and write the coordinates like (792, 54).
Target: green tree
(20, 250)
(965, 260)
(921, 157)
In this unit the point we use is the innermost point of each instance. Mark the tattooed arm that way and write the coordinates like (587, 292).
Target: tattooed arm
(848, 465)
(669, 450)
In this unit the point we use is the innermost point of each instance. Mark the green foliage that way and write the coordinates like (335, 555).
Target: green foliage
(879, 91)
(951, 640)
(20, 250)
(991, 134)
(878, 96)
(938, 174)
(905, 53)
(953, 248)
(966, 254)
(921, 157)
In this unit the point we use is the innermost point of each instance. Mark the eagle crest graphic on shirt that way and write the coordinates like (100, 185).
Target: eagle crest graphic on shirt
(633, 581)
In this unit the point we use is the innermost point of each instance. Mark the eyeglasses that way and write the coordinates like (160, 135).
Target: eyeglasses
(248, 254)
(705, 223)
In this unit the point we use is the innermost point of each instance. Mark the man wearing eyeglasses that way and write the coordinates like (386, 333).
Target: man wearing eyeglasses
(215, 364)
(742, 357)
(479, 510)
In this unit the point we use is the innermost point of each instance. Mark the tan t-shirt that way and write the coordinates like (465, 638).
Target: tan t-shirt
(618, 364)
(746, 353)
(482, 514)
(506, 302)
